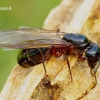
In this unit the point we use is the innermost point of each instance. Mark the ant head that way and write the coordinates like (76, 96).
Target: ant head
(93, 55)
(93, 51)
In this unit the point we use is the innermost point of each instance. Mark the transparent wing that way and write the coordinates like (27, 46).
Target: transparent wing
(30, 38)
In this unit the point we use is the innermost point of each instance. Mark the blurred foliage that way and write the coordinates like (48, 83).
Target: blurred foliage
(30, 13)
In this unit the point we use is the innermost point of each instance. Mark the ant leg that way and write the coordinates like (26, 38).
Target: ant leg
(80, 54)
(43, 62)
(29, 58)
(44, 68)
(91, 86)
(93, 73)
(96, 68)
(66, 58)
(44, 58)
(92, 69)
(94, 81)
(82, 59)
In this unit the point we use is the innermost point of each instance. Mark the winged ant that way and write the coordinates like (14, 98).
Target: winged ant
(74, 43)
(37, 45)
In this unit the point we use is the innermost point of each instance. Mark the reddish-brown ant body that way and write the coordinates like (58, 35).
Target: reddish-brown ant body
(37, 46)
(75, 43)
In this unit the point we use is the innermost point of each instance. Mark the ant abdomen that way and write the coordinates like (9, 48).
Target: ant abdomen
(31, 57)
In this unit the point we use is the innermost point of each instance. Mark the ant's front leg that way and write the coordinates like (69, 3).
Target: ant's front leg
(92, 71)
(96, 67)
(91, 86)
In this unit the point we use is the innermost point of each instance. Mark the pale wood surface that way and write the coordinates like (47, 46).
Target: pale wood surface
(32, 84)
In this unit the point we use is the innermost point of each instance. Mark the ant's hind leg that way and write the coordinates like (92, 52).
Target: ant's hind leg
(45, 57)
(91, 86)
(93, 73)
(43, 61)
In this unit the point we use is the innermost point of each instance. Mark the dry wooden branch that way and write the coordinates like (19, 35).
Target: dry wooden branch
(32, 84)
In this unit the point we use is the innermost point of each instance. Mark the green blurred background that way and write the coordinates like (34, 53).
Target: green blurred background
(30, 13)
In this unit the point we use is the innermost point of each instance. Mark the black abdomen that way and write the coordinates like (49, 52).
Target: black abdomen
(31, 57)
